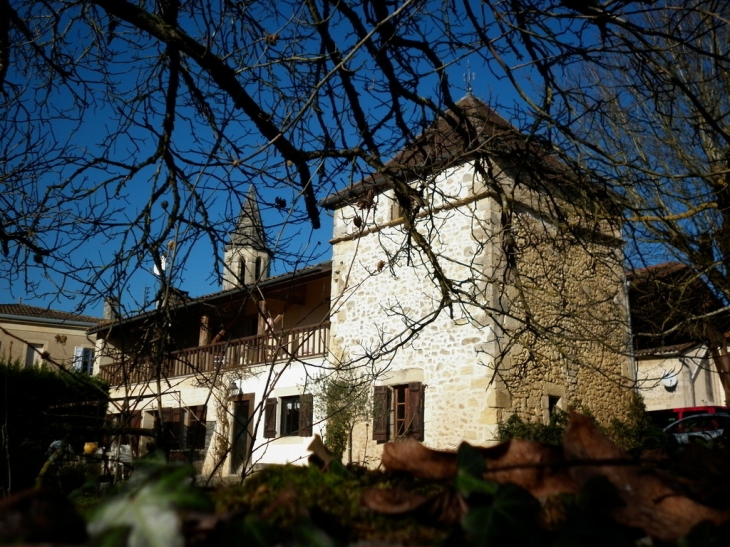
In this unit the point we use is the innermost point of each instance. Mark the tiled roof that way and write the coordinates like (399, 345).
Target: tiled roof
(675, 349)
(34, 312)
(658, 270)
(469, 131)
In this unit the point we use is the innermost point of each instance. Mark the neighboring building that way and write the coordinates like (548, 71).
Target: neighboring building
(540, 320)
(31, 335)
(677, 377)
(234, 364)
(676, 323)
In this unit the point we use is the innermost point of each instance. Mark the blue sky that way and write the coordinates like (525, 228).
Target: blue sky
(114, 218)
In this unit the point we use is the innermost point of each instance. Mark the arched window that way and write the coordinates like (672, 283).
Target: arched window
(242, 270)
(257, 271)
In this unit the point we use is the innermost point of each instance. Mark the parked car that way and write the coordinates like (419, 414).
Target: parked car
(699, 427)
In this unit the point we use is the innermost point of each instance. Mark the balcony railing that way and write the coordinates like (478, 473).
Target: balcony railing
(299, 343)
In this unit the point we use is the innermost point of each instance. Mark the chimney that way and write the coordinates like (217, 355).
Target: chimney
(111, 309)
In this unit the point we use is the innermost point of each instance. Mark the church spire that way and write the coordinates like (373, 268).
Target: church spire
(249, 229)
(247, 256)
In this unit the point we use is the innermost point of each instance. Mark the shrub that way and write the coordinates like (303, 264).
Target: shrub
(42, 405)
(635, 433)
(550, 433)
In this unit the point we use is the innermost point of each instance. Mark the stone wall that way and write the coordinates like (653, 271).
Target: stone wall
(567, 319)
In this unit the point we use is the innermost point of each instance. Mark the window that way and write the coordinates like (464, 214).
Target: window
(396, 211)
(197, 434)
(398, 412)
(295, 416)
(289, 416)
(553, 404)
(84, 360)
(173, 427)
(183, 428)
(241, 271)
(33, 355)
(257, 265)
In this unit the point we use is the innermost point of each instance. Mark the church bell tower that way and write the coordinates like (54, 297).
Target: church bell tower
(247, 257)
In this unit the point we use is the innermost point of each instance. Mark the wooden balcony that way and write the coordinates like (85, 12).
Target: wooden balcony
(301, 343)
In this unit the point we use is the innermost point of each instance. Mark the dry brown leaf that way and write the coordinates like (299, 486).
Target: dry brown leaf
(531, 465)
(651, 504)
(391, 501)
(320, 457)
(446, 507)
(40, 516)
(534, 466)
(412, 457)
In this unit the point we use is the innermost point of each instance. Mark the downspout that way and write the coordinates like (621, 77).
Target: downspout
(633, 367)
(692, 376)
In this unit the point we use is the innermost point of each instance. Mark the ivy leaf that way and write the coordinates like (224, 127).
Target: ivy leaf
(470, 469)
(509, 520)
(149, 507)
(706, 534)
(150, 516)
(469, 460)
(598, 495)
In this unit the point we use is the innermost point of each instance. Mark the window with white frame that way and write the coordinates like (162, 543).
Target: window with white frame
(33, 355)
(84, 360)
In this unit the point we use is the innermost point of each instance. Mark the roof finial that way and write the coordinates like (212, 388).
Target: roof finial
(469, 77)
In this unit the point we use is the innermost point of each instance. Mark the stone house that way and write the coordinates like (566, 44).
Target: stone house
(488, 284)
(32, 335)
(472, 276)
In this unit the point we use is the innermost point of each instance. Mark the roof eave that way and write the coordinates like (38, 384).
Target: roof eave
(297, 275)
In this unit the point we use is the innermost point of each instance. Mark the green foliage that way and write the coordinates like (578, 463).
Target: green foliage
(635, 432)
(305, 506)
(43, 405)
(505, 514)
(550, 433)
(146, 512)
(498, 514)
(344, 399)
(336, 435)
(295, 499)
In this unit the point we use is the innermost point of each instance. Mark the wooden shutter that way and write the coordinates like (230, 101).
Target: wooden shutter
(306, 414)
(196, 427)
(414, 410)
(166, 414)
(178, 428)
(135, 422)
(381, 413)
(270, 418)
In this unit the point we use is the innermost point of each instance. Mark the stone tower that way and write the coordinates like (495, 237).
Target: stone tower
(247, 257)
